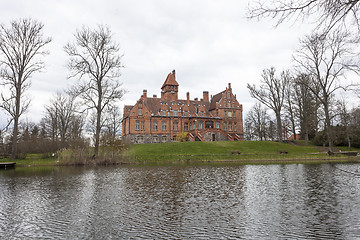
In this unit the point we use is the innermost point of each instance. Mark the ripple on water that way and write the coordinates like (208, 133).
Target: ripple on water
(184, 202)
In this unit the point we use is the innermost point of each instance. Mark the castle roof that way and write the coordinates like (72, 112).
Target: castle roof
(170, 80)
(216, 98)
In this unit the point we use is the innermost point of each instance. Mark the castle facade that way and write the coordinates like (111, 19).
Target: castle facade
(161, 119)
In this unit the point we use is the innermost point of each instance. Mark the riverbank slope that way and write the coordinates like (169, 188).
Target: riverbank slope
(243, 152)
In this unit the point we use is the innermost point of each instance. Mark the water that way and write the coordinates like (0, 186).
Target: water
(181, 202)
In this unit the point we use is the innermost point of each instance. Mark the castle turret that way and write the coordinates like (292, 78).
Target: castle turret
(170, 88)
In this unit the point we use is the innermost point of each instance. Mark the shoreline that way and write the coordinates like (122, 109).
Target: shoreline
(256, 161)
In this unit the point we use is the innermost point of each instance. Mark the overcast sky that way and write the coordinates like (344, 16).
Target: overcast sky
(208, 43)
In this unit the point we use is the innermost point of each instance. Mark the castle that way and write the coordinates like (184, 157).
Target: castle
(155, 120)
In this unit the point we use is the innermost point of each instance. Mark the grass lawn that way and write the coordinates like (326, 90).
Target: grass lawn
(222, 151)
(32, 159)
(251, 152)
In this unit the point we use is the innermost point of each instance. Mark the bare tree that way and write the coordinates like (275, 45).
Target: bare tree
(256, 122)
(327, 13)
(21, 47)
(291, 107)
(344, 116)
(306, 105)
(271, 93)
(59, 117)
(113, 123)
(95, 60)
(326, 58)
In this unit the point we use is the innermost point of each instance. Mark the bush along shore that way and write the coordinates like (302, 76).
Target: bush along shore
(242, 152)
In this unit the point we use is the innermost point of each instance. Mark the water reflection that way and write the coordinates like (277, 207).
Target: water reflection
(181, 202)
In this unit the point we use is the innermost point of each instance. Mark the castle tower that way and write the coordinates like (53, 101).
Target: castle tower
(170, 88)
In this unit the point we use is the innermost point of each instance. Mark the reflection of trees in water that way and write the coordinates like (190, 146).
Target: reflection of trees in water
(188, 197)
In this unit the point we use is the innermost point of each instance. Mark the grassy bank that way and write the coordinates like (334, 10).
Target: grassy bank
(250, 152)
(244, 152)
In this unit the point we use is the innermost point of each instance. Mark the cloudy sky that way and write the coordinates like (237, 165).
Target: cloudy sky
(209, 43)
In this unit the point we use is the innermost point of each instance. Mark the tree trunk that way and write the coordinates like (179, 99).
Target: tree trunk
(349, 140)
(328, 126)
(279, 126)
(14, 149)
(97, 133)
(14, 152)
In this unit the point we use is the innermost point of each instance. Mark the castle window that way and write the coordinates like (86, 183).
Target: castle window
(163, 126)
(155, 126)
(137, 126)
(186, 126)
(175, 113)
(140, 112)
(175, 126)
(225, 127)
(234, 127)
(185, 113)
(209, 124)
(230, 127)
(229, 114)
(142, 126)
(163, 112)
(201, 124)
(217, 124)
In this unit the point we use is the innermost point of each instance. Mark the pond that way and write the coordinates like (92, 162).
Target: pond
(182, 202)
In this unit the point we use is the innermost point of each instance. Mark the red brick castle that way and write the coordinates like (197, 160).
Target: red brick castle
(154, 120)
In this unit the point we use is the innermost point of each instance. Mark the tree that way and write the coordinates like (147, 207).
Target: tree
(112, 123)
(327, 13)
(256, 122)
(306, 104)
(271, 93)
(344, 116)
(326, 57)
(21, 47)
(95, 60)
(60, 116)
(290, 106)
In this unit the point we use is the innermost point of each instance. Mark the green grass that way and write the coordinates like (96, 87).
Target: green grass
(251, 152)
(32, 159)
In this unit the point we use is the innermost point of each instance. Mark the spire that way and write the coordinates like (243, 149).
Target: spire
(170, 80)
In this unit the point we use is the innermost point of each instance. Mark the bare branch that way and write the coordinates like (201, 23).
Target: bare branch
(21, 47)
(95, 59)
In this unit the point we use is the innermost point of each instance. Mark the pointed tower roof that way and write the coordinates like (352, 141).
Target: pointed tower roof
(170, 80)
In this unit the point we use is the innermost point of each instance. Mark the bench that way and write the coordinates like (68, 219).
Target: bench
(237, 152)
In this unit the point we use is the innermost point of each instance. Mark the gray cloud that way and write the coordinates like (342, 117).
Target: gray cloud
(209, 43)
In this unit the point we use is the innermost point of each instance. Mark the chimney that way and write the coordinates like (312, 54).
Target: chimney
(196, 99)
(187, 98)
(154, 96)
(173, 73)
(230, 86)
(206, 96)
(144, 93)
